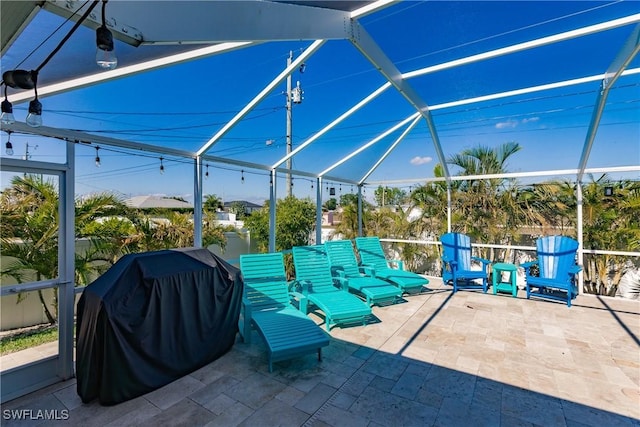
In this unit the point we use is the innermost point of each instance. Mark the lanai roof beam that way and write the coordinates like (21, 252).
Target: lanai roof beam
(622, 60)
(263, 94)
(369, 48)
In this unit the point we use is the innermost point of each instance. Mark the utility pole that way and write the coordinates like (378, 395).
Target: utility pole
(289, 125)
(294, 96)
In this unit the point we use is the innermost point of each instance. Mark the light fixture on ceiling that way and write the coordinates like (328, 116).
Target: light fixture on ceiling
(8, 145)
(7, 117)
(98, 164)
(34, 118)
(105, 53)
(24, 79)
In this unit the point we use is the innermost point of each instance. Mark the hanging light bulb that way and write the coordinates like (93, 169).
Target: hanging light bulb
(105, 53)
(242, 176)
(161, 166)
(97, 157)
(312, 185)
(206, 174)
(7, 117)
(9, 146)
(34, 118)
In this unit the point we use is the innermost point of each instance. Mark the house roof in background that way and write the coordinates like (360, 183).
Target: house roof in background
(243, 202)
(150, 202)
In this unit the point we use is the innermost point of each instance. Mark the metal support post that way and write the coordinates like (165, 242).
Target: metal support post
(197, 202)
(272, 211)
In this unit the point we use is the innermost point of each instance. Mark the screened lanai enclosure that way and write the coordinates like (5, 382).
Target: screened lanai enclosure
(498, 119)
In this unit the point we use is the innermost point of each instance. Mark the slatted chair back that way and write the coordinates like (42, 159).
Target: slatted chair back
(371, 252)
(265, 280)
(340, 253)
(311, 264)
(457, 247)
(556, 256)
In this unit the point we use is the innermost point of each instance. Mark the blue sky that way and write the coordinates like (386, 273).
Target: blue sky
(183, 105)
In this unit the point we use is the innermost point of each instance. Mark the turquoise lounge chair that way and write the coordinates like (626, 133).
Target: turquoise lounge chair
(266, 305)
(557, 269)
(456, 263)
(313, 276)
(375, 264)
(344, 264)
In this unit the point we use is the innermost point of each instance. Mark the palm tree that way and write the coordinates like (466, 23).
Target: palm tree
(29, 209)
(212, 203)
(478, 204)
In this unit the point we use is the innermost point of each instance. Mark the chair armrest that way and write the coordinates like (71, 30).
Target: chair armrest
(244, 322)
(451, 262)
(302, 300)
(299, 286)
(485, 262)
(338, 271)
(397, 262)
(343, 283)
(367, 270)
(575, 269)
(482, 260)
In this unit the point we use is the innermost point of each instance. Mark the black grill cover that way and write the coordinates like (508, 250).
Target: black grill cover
(152, 318)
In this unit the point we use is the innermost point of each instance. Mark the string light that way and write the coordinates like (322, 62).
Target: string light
(7, 117)
(242, 176)
(105, 55)
(97, 157)
(161, 166)
(8, 145)
(312, 185)
(206, 174)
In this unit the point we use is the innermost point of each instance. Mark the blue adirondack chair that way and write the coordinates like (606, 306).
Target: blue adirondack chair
(266, 306)
(313, 276)
(374, 263)
(557, 269)
(456, 263)
(344, 265)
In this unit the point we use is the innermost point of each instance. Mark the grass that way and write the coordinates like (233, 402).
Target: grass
(24, 340)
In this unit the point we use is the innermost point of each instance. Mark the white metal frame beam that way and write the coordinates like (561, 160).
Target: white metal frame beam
(334, 123)
(368, 47)
(608, 25)
(206, 22)
(263, 94)
(371, 143)
(372, 8)
(510, 175)
(622, 60)
(128, 70)
(390, 149)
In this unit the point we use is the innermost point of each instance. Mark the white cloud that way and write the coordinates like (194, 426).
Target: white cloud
(507, 124)
(530, 119)
(417, 160)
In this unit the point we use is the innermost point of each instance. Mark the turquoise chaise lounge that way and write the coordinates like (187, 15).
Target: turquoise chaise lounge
(266, 305)
(374, 263)
(313, 277)
(344, 264)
